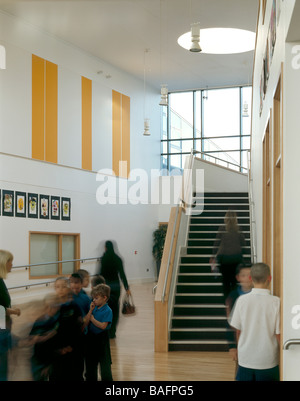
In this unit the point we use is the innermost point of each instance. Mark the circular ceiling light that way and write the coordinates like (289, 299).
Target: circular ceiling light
(221, 40)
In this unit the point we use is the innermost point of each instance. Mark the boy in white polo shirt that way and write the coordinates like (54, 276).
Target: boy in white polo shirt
(256, 317)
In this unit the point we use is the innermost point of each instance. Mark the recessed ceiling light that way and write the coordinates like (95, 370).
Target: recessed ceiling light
(221, 40)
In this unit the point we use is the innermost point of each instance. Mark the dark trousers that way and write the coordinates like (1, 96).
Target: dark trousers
(227, 267)
(98, 353)
(114, 304)
(246, 374)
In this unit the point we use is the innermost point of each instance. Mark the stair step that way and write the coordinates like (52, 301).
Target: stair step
(222, 194)
(207, 334)
(199, 277)
(198, 345)
(199, 310)
(209, 235)
(199, 299)
(195, 322)
(199, 288)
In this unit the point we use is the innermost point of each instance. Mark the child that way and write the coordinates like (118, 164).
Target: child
(68, 352)
(256, 318)
(79, 296)
(99, 321)
(98, 279)
(85, 278)
(42, 336)
(244, 287)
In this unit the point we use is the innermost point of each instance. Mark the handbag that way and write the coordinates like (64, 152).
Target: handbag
(128, 307)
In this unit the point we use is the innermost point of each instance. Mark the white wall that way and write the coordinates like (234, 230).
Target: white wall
(131, 226)
(259, 124)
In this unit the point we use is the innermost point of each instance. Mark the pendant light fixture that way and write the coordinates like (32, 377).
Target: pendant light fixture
(195, 38)
(146, 120)
(164, 95)
(2, 58)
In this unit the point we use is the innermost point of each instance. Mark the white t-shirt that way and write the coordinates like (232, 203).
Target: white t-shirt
(257, 316)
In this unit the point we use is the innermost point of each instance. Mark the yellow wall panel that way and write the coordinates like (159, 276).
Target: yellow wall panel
(38, 107)
(116, 131)
(86, 94)
(126, 134)
(51, 113)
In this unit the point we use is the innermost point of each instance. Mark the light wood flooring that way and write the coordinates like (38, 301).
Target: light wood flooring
(132, 351)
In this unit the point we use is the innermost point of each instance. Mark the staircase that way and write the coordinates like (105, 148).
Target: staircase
(199, 320)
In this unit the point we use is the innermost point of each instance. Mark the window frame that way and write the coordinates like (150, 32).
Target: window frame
(201, 139)
(59, 261)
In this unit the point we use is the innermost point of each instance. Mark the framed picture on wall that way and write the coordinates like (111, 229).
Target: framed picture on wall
(20, 200)
(44, 206)
(55, 207)
(65, 208)
(33, 205)
(7, 203)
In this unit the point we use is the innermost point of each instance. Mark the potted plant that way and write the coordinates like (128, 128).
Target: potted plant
(159, 236)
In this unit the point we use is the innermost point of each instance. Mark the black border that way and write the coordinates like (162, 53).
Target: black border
(4, 192)
(61, 207)
(17, 214)
(33, 215)
(40, 206)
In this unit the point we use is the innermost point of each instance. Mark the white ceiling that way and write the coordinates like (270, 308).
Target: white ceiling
(118, 32)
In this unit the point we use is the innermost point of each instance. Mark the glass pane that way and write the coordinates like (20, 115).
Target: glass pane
(246, 110)
(68, 253)
(198, 118)
(164, 163)
(164, 147)
(244, 161)
(43, 249)
(176, 161)
(225, 159)
(197, 146)
(181, 146)
(246, 143)
(221, 144)
(222, 112)
(164, 113)
(181, 115)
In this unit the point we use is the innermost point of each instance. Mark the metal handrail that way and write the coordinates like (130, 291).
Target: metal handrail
(169, 257)
(26, 286)
(55, 262)
(222, 160)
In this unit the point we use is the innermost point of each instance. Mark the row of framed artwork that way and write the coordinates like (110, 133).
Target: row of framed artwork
(22, 204)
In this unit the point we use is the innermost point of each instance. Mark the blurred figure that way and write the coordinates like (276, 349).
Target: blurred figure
(79, 296)
(112, 270)
(85, 279)
(6, 342)
(42, 336)
(244, 286)
(96, 280)
(228, 251)
(67, 357)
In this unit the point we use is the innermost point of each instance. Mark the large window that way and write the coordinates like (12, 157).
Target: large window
(46, 248)
(215, 123)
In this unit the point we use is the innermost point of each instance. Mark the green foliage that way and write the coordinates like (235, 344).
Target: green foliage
(159, 237)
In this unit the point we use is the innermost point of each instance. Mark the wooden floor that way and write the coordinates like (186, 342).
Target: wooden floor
(132, 351)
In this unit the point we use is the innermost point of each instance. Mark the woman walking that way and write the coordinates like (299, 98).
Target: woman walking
(112, 270)
(228, 251)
